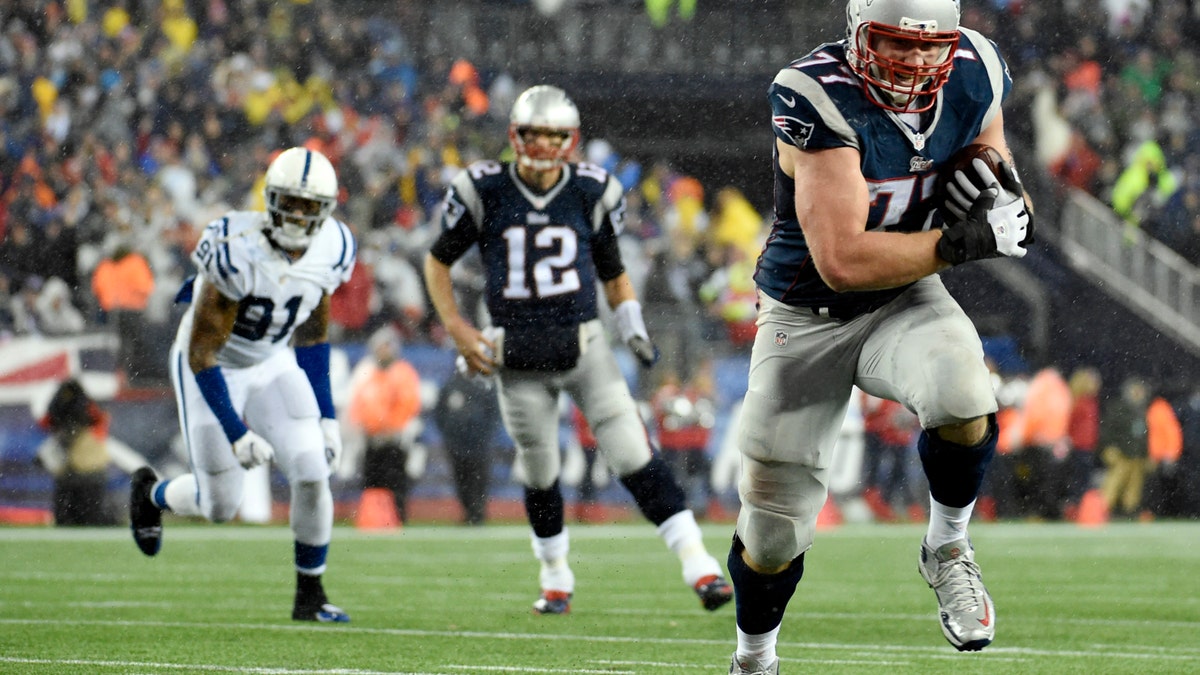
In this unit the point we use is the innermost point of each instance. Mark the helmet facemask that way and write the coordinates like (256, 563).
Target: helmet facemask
(542, 156)
(898, 85)
(929, 26)
(295, 217)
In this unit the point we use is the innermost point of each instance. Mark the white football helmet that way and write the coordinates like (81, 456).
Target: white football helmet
(301, 190)
(544, 108)
(894, 84)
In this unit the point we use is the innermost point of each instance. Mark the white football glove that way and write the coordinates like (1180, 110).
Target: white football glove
(632, 328)
(1008, 215)
(1010, 224)
(252, 450)
(333, 442)
(962, 191)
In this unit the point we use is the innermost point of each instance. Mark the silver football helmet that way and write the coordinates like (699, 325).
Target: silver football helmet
(301, 190)
(891, 83)
(544, 108)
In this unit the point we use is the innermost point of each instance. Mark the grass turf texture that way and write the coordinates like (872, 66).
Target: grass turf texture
(450, 600)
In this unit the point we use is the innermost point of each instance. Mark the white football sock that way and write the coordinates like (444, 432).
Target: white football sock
(682, 535)
(556, 574)
(180, 495)
(946, 523)
(758, 647)
(312, 512)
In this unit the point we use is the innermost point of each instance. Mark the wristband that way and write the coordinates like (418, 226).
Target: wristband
(314, 361)
(216, 394)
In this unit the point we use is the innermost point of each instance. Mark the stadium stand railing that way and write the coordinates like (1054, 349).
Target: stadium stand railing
(1145, 275)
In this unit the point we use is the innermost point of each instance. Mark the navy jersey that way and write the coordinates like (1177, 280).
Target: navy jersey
(818, 103)
(542, 252)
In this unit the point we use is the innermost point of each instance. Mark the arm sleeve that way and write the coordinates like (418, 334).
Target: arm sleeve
(314, 361)
(607, 254)
(452, 244)
(460, 230)
(216, 393)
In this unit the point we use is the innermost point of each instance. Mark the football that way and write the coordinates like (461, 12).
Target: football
(961, 161)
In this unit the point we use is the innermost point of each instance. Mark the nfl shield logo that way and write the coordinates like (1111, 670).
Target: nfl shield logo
(781, 338)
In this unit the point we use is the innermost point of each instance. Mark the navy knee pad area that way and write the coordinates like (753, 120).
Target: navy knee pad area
(545, 510)
(654, 489)
(955, 472)
(761, 598)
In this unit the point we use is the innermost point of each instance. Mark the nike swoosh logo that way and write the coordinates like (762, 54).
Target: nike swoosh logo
(791, 102)
(987, 619)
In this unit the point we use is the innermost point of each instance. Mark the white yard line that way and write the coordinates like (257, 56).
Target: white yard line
(1101, 651)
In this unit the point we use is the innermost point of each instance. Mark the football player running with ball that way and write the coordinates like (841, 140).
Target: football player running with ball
(547, 232)
(250, 367)
(849, 295)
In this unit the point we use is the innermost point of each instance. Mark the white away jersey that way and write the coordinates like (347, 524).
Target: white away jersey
(274, 294)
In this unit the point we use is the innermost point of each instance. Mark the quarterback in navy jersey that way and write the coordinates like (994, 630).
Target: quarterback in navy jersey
(849, 295)
(547, 232)
(250, 368)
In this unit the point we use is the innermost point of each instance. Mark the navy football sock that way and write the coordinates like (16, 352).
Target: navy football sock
(955, 472)
(545, 510)
(761, 598)
(655, 491)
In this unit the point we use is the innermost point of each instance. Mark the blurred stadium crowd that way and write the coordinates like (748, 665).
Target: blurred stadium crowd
(126, 126)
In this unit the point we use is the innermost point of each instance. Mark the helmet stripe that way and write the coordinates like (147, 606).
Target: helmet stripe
(307, 163)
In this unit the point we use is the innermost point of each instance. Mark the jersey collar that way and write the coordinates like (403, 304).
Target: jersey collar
(540, 201)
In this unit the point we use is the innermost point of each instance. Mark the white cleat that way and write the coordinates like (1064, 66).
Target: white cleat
(967, 614)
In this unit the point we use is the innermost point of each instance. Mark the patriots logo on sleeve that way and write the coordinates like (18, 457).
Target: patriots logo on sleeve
(797, 131)
(453, 210)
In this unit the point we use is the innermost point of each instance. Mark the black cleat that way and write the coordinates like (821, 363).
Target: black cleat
(321, 613)
(145, 518)
(714, 592)
(312, 605)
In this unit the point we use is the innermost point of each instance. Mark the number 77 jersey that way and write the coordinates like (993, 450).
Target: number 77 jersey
(818, 103)
(542, 252)
(274, 294)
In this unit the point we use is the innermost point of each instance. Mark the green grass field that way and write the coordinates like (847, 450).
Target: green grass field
(453, 601)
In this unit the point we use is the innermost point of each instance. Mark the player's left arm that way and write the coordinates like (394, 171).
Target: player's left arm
(311, 343)
(992, 134)
(622, 299)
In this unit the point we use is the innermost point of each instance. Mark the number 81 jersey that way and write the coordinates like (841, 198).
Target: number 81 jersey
(542, 252)
(274, 294)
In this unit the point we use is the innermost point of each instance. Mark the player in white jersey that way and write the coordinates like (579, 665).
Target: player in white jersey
(250, 367)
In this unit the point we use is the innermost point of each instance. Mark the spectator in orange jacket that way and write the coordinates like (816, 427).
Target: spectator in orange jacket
(1164, 489)
(1040, 464)
(122, 284)
(385, 402)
